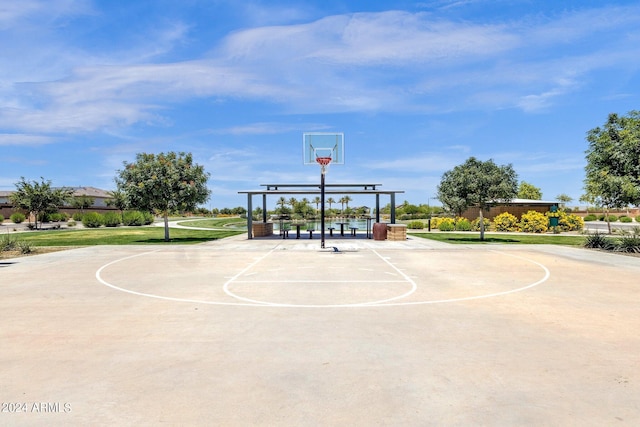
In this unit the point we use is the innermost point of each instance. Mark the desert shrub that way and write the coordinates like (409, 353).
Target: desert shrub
(71, 223)
(598, 241)
(1, 218)
(435, 221)
(24, 247)
(506, 222)
(415, 225)
(111, 219)
(534, 222)
(476, 224)
(446, 224)
(590, 217)
(148, 218)
(601, 217)
(44, 217)
(463, 224)
(625, 218)
(77, 216)
(17, 217)
(133, 218)
(638, 218)
(612, 218)
(629, 241)
(56, 217)
(92, 220)
(8, 242)
(570, 222)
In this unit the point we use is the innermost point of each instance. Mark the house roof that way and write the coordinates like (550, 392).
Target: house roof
(77, 191)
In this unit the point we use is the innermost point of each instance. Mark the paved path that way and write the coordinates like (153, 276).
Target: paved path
(273, 332)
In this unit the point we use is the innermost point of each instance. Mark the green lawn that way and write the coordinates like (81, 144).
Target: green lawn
(525, 239)
(121, 236)
(215, 223)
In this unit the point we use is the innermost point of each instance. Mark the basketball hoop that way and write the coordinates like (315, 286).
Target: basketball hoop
(323, 162)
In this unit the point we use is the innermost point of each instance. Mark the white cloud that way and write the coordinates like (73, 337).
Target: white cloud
(24, 140)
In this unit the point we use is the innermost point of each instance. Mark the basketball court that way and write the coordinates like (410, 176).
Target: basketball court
(330, 332)
(281, 332)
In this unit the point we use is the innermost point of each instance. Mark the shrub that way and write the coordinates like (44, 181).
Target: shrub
(77, 216)
(476, 224)
(638, 218)
(71, 223)
(598, 241)
(149, 218)
(612, 218)
(435, 221)
(625, 218)
(56, 217)
(111, 219)
(17, 217)
(1, 218)
(24, 247)
(446, 224)
(7, 242)
(133, 218)
(463, 224)
(570, 222)
(415, 225)
(506, 222)
(629, 241)
(92, 220)
(534, 222)
(590, 217)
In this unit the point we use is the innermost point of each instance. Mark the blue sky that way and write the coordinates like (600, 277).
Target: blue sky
(417, 87)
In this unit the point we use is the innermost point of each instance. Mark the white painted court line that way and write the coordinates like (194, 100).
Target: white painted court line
(380, 303)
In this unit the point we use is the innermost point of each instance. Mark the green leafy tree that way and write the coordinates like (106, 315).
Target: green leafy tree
(477, 183)
(564, 199)
(82, 202)
(39, 197)
(119, 200)
(613, 163)
(164, 183)
(529, 191)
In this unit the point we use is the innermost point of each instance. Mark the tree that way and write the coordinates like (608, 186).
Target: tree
(613, 163)
(163, 183)
(330, 201)
(477, 183)
(119, 200)
(564, 199)
(82, 202)
(38, 197)
(316, 201)
(529, 191)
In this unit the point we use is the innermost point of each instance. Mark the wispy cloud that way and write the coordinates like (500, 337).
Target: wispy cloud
(387, 61)
(25, 140)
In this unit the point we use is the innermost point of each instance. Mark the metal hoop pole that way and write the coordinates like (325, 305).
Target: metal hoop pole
(322, 207)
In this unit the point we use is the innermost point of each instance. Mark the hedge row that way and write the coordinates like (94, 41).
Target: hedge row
(531, 222)
(113, 219)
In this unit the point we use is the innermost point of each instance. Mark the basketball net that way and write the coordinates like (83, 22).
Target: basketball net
(324, 163)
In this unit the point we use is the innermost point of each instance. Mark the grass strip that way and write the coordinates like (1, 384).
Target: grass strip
(122, 236)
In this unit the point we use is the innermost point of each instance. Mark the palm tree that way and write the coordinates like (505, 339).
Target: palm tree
(347, 199)
(292, 202)
(331, 201)
(343, 200)
(281, 202)
(317, 202)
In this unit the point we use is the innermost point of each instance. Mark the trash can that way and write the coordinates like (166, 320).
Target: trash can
(380, 231)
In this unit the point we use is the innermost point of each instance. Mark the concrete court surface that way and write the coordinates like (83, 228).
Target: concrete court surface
(270, 332)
